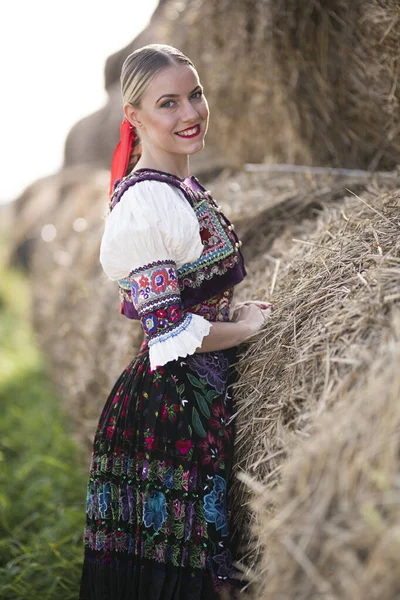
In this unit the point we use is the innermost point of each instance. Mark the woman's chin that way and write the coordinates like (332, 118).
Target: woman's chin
(198, 147)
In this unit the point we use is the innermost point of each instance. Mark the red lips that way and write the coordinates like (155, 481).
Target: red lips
(195, 133)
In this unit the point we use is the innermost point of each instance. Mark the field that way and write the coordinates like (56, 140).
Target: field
(42, 473)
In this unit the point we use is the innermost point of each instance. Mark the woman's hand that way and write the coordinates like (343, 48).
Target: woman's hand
(259, 303)
(247, 318)
(254, 314)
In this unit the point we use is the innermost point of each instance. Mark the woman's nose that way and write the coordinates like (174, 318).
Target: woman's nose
(188, 112)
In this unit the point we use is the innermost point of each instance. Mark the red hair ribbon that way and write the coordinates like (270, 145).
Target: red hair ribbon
(122, 152)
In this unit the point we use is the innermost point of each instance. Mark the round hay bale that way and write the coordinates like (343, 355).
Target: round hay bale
(291, 81)
(334, 283)
(334, 531)
(75, 306)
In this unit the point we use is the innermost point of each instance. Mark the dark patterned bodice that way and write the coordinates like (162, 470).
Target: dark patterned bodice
(207, 282)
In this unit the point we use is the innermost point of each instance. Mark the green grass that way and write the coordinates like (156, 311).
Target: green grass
(42, 475)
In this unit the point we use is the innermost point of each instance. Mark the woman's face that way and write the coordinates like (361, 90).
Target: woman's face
(173, 113)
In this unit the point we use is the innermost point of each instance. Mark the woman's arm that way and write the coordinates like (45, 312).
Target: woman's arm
(225, 335)
(247, 320)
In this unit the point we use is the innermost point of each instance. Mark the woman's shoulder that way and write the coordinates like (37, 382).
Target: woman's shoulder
(152, 219)
(152, 201)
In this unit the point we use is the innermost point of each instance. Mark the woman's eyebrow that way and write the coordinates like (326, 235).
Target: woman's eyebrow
(198, 87)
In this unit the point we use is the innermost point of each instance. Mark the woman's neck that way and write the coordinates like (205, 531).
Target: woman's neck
(168, 163)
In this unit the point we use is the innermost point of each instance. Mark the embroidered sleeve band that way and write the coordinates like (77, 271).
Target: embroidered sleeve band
(171, 332)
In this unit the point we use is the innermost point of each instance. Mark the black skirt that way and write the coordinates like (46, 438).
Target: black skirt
(156, 518)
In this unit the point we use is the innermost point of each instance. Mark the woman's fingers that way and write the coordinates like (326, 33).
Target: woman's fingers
(258, 303)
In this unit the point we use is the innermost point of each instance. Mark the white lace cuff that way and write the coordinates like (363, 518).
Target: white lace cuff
(180, 342)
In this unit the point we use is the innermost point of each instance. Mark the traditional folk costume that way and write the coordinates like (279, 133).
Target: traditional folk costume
(156, 520)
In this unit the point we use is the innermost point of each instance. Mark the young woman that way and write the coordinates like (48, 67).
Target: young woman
(156, 519)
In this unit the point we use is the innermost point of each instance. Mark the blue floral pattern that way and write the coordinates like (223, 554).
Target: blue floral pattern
(215, 505)
(104, 500)
(154, 510)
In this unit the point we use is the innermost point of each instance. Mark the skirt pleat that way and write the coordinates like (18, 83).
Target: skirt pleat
(156, 515)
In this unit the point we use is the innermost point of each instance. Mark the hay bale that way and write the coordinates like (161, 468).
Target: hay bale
(308, 82)
(323, 78)
(75, 312)
(334, 287)
(335, 528)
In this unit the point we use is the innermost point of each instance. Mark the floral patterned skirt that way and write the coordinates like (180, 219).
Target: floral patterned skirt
(156, 517)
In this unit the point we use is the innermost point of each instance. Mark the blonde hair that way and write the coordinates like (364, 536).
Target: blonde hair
(138, 70)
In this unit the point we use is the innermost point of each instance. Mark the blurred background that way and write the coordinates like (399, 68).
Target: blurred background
(302, 153)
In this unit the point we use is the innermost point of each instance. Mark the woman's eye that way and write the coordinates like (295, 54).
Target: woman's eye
(167, 104)
(197, 94)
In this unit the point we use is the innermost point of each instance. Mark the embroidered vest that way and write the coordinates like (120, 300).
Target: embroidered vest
(221, 264)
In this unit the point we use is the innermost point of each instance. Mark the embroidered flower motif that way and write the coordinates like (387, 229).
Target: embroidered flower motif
(150, 323)
(174, 313)
(199, 532)
(89, 503)
(212, 366)
(185, 480)
(219, 420)
(172, 275)
(144, 281)
(150, 441)
(100, 540)
(154, 510)
(104, 499)
(121, 541)
(183, 446)
(224, 562)
(178, 511)
(160, 468)
(161, 313)
(189, 517)
(160, 551)
(124, 505)
(168, 411)
(213, 451)
(215, 505)
(144, 292)
(169, 478)
(145, 468)
(127, 433)
(192, 479)
(159, 281)
(110, 431)
(185, 557)
(134, 291)
(131, 503)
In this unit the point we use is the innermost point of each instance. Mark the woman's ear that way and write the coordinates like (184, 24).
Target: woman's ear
(131, 113)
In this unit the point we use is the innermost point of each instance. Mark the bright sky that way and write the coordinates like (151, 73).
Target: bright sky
(52, 60)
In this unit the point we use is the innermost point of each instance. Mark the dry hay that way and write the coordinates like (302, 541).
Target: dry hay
(297, 81)
(334, 286)
(335, 529)
(305, 81)
(75, 307)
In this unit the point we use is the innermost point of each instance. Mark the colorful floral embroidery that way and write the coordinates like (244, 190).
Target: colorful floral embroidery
(154, 510)
(216, 308)
(215, 505)
(155, 295)
(214, 453)
(161, 461)
(224, 561)
(220, 255)
(212, 366)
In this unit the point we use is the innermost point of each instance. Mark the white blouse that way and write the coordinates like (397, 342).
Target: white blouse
(153, 222)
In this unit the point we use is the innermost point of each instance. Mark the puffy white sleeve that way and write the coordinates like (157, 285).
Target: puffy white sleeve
(148, 236)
